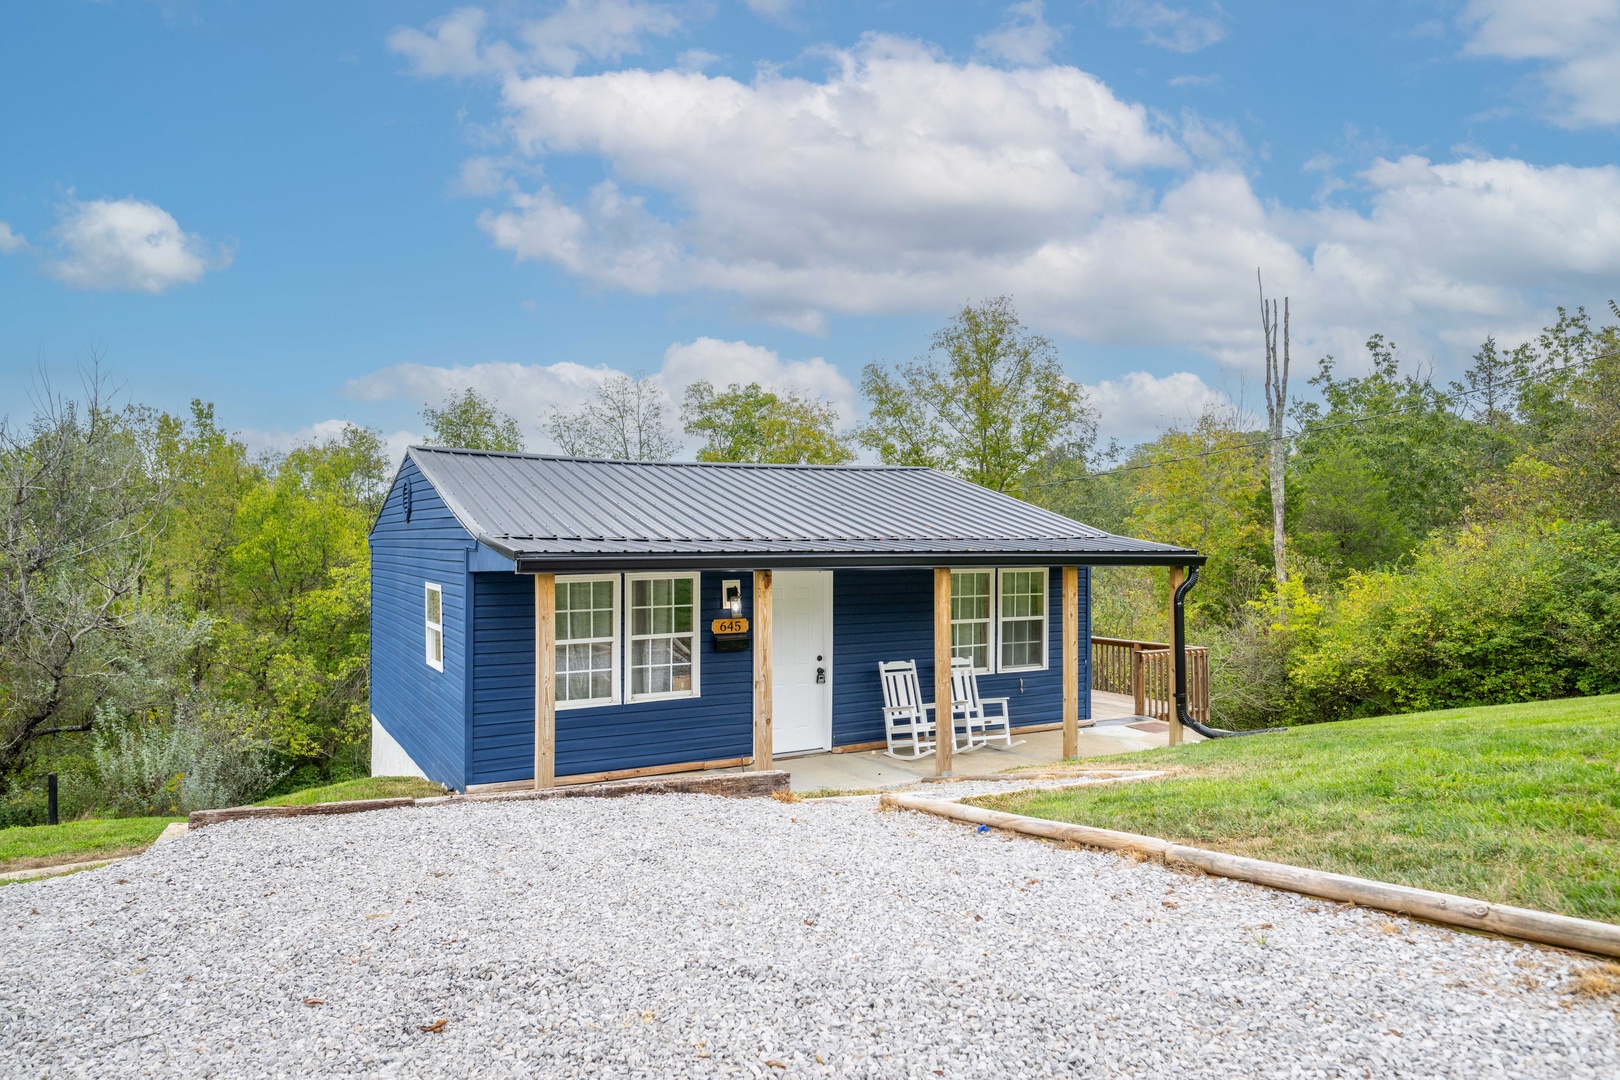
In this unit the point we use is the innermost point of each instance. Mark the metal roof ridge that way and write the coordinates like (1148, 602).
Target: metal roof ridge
(773, 465)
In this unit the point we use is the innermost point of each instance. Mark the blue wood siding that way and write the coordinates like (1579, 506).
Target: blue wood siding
(424, 710)
(883, 615)
(719, 724)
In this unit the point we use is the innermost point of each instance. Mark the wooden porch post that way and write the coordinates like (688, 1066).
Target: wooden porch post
(545, 680)
(944, 715)
(1138, 680)
(1177, 576)
(762, 669)
(1071, 662)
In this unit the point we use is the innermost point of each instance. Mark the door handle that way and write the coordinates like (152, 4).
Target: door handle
(821, 674)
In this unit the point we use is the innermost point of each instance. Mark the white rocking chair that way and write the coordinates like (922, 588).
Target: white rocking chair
(907, 719)
(972, 712)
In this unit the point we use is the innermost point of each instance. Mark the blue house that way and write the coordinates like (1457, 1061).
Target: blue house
(539, 620)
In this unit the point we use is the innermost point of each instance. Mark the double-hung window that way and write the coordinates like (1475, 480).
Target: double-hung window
(663, 635)
(971, 621)
(587, 641)
(1021, 611)
(998, 618)
(435, 627)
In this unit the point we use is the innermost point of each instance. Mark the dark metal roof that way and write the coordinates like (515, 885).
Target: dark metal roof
(561, 513)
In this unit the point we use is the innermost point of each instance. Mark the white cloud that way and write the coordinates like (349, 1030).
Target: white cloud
(697, 59)
(1025, 38)
(10, 241)
(1177, 29)
(128, 244)
(452, 49)
(725, 362)
(575, 32)
(897, 177)
(771, 9)
(481, 177)
(528, 392)
(1138, 406)
(902, 182)
(524, 390)
(1577, 42)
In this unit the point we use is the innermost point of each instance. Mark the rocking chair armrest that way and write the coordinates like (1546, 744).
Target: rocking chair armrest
(996, 701)
(906, 710)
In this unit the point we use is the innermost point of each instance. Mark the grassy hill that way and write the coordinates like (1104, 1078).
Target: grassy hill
(1516, 804)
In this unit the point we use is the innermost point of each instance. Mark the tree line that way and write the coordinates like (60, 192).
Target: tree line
(184, 622)
(1439, 544)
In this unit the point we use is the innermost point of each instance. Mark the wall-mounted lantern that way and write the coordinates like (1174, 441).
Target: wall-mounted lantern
(730, 632)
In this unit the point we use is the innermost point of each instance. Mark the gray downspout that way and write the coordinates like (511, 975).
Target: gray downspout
(1179, 645)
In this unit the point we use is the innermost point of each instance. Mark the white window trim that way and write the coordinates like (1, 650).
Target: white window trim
(1046, 618)
(433, 627)
(618, 592)
(697, 638)
(993, 644)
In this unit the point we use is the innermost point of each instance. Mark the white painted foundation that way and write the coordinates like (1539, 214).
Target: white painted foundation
(388, 758)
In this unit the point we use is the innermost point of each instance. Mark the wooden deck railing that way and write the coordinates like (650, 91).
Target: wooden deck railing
(1144, 670)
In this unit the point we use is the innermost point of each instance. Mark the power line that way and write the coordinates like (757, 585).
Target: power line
(1443, 398)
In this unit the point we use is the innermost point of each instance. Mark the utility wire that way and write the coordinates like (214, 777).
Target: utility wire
(1315, 429)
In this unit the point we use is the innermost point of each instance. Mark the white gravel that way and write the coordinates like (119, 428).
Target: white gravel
(696, 936)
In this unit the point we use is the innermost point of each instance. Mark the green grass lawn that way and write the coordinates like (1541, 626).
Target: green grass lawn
(28, 846)
(1516, 804)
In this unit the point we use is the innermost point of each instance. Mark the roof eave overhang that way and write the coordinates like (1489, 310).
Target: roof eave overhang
(573, 562)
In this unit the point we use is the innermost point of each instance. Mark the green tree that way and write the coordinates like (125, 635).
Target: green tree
(296, 643)
(207, 472)
(988, 402)
(472, 422)
(1381, 462)
(750, 423)
(1569, 410)
(1205, 487)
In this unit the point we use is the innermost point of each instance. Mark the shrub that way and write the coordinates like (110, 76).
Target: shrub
(198, 761)
(1508, 611)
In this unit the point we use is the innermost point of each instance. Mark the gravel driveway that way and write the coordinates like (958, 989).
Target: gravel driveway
(698, 936)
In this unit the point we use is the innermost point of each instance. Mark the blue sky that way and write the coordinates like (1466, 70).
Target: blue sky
(314, 212)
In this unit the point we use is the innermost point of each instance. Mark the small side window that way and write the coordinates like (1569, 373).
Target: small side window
(435, 627)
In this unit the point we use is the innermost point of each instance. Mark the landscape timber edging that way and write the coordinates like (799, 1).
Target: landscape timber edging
(732, 785)
(1565, 931)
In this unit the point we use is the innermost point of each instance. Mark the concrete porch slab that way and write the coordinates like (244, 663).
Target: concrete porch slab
(1109, 734)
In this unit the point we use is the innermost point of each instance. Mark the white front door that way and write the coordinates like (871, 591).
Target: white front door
(801, 661)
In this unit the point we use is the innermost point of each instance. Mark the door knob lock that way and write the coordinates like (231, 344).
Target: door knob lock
(821, 674)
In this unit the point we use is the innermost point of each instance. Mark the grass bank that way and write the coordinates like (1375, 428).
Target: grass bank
(1516, 804)
(361, 787)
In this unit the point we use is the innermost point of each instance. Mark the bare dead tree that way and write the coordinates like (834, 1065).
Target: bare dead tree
(1276, 409)
(624, 419)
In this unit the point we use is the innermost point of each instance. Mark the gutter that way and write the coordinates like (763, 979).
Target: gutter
(530, 562)
(1179, 644)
